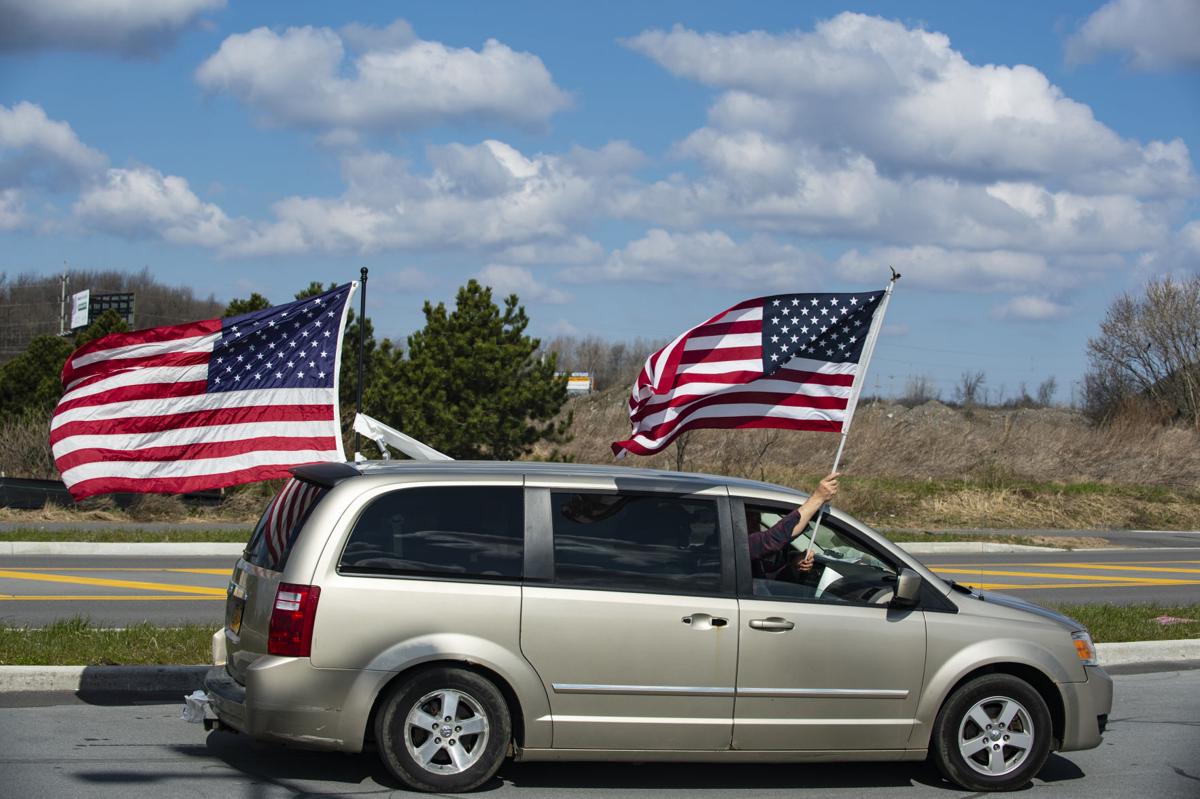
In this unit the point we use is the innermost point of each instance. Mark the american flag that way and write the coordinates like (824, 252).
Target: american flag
(205, 404)
(786, 361)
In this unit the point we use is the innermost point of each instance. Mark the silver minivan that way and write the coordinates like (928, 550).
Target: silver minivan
(454, 614)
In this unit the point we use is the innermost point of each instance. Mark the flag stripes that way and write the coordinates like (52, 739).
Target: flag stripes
(788, 361)
(205, 404)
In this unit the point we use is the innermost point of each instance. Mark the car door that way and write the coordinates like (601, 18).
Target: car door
(824, 662)
(633, 628)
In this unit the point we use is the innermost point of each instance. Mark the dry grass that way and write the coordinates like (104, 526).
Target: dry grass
(936, 466)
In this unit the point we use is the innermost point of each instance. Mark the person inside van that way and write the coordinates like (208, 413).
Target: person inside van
(765, 544)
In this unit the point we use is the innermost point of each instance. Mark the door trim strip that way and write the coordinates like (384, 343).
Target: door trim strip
(763, 693)
(824, 693)
(641, 690)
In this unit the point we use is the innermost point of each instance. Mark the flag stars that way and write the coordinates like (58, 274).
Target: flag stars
(795, 301)
(775, 303)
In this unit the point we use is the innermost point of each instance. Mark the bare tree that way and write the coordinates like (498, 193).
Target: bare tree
(969, 390)
(919, 390)
(1046, 390)
(1149, 346)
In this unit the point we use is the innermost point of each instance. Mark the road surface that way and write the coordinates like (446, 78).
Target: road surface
(116, 591)
(60, 747)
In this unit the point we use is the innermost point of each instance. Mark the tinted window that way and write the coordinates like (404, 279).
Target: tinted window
(277, 530)
(457, 531)
(647, 543)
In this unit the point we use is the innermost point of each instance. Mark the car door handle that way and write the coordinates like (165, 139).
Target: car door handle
(703, 621)
(774, 623)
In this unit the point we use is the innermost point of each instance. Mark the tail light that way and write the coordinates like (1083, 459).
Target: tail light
(292, 620)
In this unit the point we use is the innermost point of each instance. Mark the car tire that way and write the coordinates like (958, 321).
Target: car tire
(443, 730)
(992, 734)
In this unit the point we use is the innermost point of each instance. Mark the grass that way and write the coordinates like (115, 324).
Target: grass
(76, 642)
(1112, 623)
(125, 536)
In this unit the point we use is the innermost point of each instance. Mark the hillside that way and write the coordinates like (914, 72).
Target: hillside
(937, 466)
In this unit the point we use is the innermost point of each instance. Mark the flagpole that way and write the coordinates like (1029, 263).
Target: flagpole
(362, 335)
(855, 390)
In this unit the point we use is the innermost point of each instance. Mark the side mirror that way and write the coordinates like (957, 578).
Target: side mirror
(908, 589)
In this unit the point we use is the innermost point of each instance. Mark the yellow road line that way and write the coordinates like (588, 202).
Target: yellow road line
(60, 578)
(1052, 576)
(1026, 586)
(104, 598)
(226, 572)
(1112, 567)
(1072, 564)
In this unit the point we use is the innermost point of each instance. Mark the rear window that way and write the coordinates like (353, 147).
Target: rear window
(280, 524)
(636, 543)
(451, 531)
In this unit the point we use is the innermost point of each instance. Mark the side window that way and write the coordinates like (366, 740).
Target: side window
(636, 542)
(843, 570)
(453, 531)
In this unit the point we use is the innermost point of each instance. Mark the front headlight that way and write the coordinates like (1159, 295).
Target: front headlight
(1085, 648)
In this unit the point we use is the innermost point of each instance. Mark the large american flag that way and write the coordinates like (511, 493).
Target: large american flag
(205, 404)
(785, 361)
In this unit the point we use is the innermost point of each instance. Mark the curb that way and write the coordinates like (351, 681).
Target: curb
(1133, 652)
(139, 679)
(122, 548)
(154, 679)
(968, 547)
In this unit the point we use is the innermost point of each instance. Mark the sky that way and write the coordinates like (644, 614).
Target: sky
(629, 169)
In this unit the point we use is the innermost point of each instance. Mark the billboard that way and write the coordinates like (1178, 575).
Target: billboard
(80, 304)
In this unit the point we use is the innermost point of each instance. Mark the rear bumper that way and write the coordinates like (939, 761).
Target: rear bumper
(1087, 705)
(288, 701)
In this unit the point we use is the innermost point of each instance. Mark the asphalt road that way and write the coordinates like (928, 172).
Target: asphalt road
(116, 591)
(60, 747)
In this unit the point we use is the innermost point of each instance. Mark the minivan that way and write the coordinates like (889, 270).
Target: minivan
(455, 614)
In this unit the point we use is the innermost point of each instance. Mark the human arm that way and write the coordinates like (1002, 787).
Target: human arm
(783, 531)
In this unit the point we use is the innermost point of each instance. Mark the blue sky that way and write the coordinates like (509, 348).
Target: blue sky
(629, 169)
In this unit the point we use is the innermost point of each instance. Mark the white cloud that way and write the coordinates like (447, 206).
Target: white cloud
(142, 202)
(1152, 34)
(712, 257)
(485, 196)
(1031, 309)
(506, 280)
(130, 27)
(1180, 256)
(37, 150)
(574, 250)
(908, 102)
(940, 268)
(303, 77)
(12, 211)
(848, 198)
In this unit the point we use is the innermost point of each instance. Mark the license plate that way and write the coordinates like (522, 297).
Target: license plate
(235, 617)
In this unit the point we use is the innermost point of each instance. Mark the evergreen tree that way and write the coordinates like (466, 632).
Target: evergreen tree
(472, 386)
(255, 302)
(32, 381)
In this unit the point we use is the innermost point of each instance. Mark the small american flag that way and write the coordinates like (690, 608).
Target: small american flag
(281, 520)
(205, 404)
(786, 361)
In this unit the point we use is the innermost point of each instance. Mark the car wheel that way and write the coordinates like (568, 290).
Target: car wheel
(444, 730)
(992, 734)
